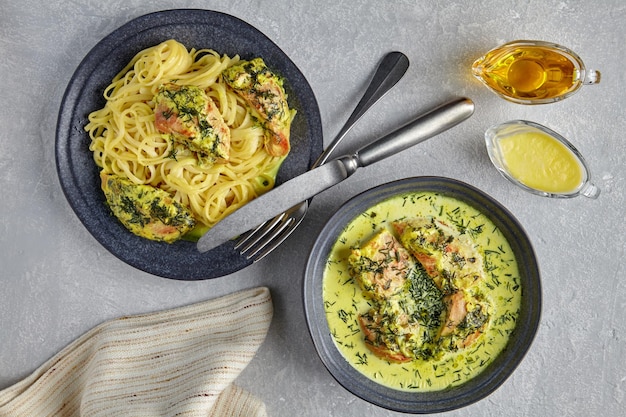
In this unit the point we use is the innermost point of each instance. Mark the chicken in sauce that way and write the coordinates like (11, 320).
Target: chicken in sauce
(191, 118)
(418, 278)
(263, 91)
(146, 211)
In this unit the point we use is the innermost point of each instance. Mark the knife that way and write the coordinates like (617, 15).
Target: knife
(315, 181)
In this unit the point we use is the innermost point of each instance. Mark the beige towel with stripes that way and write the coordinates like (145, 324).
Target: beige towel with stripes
(180, 362)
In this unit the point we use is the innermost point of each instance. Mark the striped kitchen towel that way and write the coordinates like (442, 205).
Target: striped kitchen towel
(180, 362)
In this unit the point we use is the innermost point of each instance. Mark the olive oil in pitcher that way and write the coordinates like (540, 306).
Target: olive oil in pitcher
(533, 72)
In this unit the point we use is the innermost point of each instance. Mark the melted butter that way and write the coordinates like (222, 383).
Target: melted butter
(344, 301)
(539, 161)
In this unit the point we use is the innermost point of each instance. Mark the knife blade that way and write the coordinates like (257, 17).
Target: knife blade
(315, 181)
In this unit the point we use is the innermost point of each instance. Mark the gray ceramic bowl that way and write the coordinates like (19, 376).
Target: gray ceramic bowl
(451, 398)
(79, 176)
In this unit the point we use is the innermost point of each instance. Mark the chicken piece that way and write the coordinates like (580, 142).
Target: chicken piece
(472, 326)
(263, 91)
(417, 305)
(451, 259)
(397, 327)
(145, 210)
(394, 329)
(456, 312)
(466, 318)
(375, 340)
(381, 265)
(191, 118)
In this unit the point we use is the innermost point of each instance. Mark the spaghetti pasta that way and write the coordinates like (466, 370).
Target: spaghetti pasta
(125, 141)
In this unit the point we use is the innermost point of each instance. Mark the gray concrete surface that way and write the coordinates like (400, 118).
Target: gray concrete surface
(57, 281)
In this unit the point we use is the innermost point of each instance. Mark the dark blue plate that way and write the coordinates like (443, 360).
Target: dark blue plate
(79, 176)
(424, 402)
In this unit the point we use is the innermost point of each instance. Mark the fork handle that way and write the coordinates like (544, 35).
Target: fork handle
(390, 70)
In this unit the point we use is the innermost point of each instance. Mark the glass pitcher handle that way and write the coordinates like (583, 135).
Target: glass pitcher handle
(589, 190)
(591, 77)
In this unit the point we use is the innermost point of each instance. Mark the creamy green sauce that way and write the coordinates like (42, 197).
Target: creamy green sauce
(344, 301)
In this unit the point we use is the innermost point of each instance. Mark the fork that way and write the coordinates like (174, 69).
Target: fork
(259, 242)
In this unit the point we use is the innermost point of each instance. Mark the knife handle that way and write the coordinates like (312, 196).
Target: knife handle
(424, 127)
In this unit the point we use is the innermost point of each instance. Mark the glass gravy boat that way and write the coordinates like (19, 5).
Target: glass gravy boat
(539, 160)
(533, 72)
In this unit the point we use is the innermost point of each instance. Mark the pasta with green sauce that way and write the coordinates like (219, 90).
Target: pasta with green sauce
(126, 143)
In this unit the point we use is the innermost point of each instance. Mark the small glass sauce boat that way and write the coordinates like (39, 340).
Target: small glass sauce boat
(539, 160)
(533, 72)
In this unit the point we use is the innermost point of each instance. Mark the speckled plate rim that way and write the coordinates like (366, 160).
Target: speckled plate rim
(430, 402)
(78, 173)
